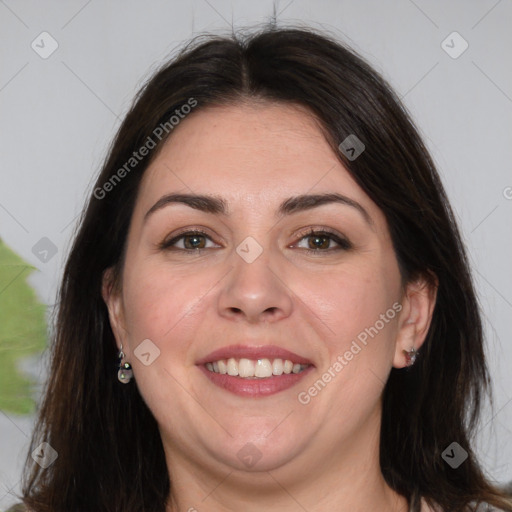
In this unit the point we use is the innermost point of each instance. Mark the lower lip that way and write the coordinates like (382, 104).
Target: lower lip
(254, 387)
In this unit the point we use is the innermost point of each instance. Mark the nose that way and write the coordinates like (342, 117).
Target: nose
(255, 292)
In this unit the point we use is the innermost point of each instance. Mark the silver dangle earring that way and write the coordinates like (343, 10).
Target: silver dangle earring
(125, 372)
(410, 356)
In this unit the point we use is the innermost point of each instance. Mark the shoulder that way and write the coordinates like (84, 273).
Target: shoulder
(19, 507)
(485, 507)
(482, 507)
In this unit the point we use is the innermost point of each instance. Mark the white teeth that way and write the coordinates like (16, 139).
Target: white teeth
(277, 367)
(232, 367)
(251, 369)
(263, 368)
(223, 367)
(246, 368)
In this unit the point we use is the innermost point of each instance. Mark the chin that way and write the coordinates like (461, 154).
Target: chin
(252, 451)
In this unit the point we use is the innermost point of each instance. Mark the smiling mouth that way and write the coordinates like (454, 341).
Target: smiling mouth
(255, 368)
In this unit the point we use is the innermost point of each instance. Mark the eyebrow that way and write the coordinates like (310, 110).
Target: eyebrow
(218, 206)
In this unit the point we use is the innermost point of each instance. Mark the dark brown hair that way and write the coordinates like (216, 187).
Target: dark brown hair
(110, 452)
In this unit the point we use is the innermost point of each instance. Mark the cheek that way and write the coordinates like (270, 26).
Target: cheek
(158, 303)
(350, 302)
(359, 309)
(164, 307)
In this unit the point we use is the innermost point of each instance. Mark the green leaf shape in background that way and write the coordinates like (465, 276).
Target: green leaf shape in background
(22, 331)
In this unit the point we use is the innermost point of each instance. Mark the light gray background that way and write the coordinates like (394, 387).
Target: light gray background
(59, 114)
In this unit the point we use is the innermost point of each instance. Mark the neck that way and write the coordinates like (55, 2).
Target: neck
(347, 478)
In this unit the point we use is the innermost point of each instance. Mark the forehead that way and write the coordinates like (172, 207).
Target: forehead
(254, 154)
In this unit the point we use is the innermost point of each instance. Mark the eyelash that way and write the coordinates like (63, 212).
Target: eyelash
(343, 243)
(168, 244)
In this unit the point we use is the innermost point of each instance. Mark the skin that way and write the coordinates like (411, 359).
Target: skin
(316, 457)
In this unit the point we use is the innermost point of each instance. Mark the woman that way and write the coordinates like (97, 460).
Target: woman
(269, 257)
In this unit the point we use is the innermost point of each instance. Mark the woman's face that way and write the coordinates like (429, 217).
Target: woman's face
(293, 261)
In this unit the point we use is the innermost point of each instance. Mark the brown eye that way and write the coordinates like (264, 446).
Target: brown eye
(189, 241)
(194, 241)
(318, 242)
(323, 241)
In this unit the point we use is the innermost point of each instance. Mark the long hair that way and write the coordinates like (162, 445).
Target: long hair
(110, 454)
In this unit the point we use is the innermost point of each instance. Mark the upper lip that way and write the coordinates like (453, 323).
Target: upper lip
(253, 352)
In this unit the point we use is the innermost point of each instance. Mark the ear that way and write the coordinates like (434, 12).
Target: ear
(113, 299)
(417, 308)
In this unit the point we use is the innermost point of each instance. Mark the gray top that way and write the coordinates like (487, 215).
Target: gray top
(482, 508)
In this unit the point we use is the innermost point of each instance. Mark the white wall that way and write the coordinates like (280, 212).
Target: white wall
(58, 115)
